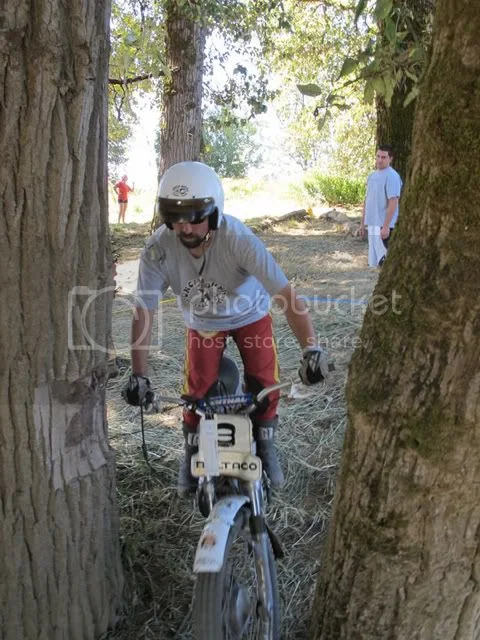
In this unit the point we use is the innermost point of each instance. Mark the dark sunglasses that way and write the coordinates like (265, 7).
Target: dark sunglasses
(185, 211)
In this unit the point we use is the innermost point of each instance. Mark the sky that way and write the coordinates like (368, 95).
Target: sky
(141, 166)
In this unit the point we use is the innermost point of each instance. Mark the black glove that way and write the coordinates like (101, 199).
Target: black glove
(138, 392)
(314, 366)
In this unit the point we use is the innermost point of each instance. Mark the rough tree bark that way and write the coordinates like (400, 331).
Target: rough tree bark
(181, 131)
(60, 574)
(395, 124)
(395, 121)
(181, 120)
(403, 558)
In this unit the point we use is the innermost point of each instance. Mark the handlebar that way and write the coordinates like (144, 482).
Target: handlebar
(274, 387)
(246, 402)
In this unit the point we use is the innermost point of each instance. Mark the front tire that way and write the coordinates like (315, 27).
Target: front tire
(227, 604)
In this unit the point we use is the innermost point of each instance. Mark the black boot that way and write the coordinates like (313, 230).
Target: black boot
(264, 434)
(186, 483)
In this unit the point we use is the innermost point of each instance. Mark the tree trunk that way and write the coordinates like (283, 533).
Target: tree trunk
(403, 556)
(181, 127)
(395, 121)
(395, 124)
(59, 548)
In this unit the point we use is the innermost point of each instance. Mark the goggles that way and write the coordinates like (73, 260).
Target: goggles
(185, 211)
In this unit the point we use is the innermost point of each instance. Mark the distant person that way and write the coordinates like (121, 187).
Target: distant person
(380, 209)
(122, 189)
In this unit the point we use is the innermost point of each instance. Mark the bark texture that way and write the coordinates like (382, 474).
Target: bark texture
(395, 121)
(395, 124)
(60, 574)
(181, 121)
(403, 558)
(181, 132)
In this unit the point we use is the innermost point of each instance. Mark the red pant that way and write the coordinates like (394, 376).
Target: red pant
(257, 348)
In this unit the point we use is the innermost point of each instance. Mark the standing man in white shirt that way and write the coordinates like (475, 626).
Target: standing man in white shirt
(380, 209)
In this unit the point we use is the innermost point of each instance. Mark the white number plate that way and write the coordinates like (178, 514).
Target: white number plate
(226, 448)
(230, 463)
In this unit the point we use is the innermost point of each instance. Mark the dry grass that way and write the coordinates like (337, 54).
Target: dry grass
(127, 238)
(160, 532)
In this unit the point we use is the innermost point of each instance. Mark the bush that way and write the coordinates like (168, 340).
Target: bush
(334, 189)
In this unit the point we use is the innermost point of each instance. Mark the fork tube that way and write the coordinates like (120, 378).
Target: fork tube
(206, 495)
(260, 552)
(254, 490)
(210, 492)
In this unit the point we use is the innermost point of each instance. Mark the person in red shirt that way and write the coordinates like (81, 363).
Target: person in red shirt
(122, 189)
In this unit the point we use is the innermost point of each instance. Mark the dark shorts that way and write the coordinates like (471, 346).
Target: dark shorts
(122, 201)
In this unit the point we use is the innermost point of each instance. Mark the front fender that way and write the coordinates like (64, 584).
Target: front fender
(211, 546)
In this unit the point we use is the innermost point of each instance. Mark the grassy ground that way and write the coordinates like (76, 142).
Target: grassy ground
(160, 532)
(128, 239)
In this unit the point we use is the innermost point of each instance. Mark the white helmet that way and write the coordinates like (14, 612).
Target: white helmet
(190, 192)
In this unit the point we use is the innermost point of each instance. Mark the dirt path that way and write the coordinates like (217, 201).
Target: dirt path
(159, 532)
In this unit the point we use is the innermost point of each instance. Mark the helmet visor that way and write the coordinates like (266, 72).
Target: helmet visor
(182, 211)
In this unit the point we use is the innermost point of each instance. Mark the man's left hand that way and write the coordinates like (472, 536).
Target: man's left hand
(384, 232)
(314, 366)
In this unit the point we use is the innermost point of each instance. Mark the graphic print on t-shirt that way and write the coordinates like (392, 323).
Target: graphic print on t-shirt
(201, 295)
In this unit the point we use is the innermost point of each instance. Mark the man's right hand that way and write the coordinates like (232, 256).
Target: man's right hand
(314, 366)
(138, 392)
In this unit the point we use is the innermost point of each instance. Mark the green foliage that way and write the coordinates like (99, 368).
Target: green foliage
(334, 189)
(137, 42)
(319, 48)
(229, 145)
(353, 151)
(246, 29)
(349, 65)
(383, 8)
(311, 89)
(245, 92)
(304, 141)
(396, 54)
(138, 60)
(119, 128)
(396, 37)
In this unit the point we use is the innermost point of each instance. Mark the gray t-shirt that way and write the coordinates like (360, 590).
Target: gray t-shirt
(382, 184)
(227, 288)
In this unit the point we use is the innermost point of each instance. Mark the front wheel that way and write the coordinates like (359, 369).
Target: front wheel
(241, 600)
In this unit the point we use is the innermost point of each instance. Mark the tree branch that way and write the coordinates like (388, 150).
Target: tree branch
(126, 81)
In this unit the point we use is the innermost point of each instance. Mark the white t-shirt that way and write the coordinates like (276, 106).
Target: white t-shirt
(227, 288)
(382, 184)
